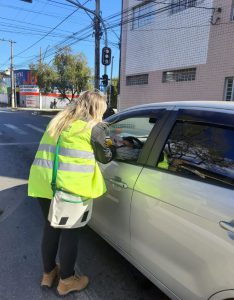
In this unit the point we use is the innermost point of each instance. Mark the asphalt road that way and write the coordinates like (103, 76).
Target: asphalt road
(21, 222)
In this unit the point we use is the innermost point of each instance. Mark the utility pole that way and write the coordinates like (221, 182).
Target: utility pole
(11, 73)
(97, 21)
(12, 78)
(97, 45)
(110, 90)
(40, 57)
(40, 62)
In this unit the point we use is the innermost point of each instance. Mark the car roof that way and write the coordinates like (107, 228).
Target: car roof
(185, 104)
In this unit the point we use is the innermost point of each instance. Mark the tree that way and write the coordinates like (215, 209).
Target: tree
(46, 77)
(69, 73)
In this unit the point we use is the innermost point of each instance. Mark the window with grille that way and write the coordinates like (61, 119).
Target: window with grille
(180, 5)
(179, 75)
(143, 15)
(229, 89)
(137, 79)
(232, 11)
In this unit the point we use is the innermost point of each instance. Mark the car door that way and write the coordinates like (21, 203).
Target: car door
(183, 209)
(111, 212)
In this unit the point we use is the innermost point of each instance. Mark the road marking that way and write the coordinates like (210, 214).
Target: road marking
(18, 130)
(5, 112)
(47, 116)
(19, 144)
(34, 127)
(10, 182)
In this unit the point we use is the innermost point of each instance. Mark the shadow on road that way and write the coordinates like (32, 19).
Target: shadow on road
(111, 276)
(21, 226)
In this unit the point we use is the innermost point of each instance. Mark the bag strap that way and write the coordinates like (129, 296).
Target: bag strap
(55, 167)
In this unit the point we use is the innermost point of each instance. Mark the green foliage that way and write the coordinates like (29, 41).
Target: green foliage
(46, 77)
(69, 73)
(3, 87)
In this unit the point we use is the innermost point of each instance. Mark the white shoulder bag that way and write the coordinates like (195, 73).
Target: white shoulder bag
(67, 210)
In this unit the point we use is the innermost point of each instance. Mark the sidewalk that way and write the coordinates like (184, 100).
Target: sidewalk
(47, 111)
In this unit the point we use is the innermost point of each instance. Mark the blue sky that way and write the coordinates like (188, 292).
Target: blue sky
(27, 23)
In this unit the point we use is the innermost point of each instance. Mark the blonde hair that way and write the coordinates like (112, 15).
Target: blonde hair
(89, 107)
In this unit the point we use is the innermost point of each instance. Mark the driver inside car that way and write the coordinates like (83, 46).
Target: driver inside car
(130, 148)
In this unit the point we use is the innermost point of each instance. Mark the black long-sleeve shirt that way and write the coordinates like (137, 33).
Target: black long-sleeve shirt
(102, 153)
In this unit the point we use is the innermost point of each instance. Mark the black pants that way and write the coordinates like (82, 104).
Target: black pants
(61, 241)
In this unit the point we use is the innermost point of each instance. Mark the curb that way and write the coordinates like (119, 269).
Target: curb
(37, 110)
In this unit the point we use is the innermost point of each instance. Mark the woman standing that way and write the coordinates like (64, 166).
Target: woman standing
(82, 144)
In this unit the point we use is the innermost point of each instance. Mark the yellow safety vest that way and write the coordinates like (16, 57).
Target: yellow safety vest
(164, 164)
(78, 172)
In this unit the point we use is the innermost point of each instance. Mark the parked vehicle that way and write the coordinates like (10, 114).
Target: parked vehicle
(170, 211)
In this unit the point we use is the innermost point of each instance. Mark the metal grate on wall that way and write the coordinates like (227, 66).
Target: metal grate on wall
(180, 5)
(229, 89)
(179, 75)
(137, 79)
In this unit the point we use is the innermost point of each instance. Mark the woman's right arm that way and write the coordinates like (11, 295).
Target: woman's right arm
(102, 153)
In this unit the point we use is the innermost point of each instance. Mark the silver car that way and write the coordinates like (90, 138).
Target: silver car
(169, 206)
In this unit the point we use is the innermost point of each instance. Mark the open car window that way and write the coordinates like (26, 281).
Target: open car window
(205, 151)
(129, 137)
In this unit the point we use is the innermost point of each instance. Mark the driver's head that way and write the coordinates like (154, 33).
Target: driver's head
(128, 141)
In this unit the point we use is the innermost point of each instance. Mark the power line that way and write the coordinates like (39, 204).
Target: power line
(67, 17)
(31, 33)
(46, 34)
(70, 37)
(32, 24)
(58, 50)
(61, 5)
(70, 44)
(129, 18)
(28, 30)
(31, 11)
(35, 12)
(62, 44)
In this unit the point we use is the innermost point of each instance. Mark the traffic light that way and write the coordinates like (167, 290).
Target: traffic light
(105, 80)
(106, 56)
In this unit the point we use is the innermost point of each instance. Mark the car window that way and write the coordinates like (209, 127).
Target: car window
(129, 137)
(203, 151)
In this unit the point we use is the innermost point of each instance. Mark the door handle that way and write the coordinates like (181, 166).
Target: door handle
(118, 183)
(227, 225)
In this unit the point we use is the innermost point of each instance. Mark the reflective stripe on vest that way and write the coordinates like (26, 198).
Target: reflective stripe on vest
(64, 166)
(66, 152)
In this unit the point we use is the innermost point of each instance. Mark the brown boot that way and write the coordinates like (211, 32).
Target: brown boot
(48, 278)
(72, 284)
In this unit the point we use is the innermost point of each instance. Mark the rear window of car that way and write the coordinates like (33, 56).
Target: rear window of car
(204, 151)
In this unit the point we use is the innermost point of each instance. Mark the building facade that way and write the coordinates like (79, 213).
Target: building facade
(176, 50)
